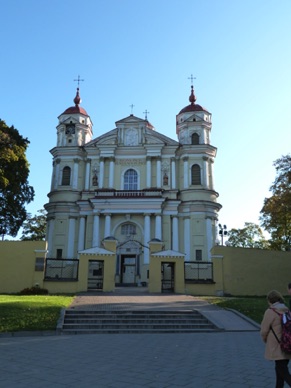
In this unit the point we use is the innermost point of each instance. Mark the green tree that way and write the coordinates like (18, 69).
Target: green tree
(34, 228)
(15, 191)
(276, 212)
(251, 236)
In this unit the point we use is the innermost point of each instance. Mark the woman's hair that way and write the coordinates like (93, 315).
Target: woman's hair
(275, 296)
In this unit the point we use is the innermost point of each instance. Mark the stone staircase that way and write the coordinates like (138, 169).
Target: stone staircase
(137, 321)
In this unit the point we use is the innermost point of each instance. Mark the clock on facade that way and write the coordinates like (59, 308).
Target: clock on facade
(70, 130)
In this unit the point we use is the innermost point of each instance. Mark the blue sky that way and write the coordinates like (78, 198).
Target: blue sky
(142, 53)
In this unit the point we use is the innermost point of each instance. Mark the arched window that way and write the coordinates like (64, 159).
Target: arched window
(195, 139)
(66, 177)
(130, 180)
(195, 175)
(128, 229)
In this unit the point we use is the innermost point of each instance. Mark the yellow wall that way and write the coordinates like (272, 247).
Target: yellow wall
(236, 271)
(17, 265)
(245, 271)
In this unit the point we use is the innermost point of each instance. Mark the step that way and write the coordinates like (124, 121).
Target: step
(136, 331)
(137, 321)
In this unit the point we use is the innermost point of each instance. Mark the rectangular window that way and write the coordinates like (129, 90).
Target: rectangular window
(198, 254)
(59, 253)
(39, 264)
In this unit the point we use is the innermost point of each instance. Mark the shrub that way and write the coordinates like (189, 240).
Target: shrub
(34, 291)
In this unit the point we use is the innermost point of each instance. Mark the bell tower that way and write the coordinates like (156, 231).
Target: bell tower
(75, 126)
(74, 130)
(197, 193)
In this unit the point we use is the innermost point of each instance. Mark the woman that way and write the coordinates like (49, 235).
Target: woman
(272, 320)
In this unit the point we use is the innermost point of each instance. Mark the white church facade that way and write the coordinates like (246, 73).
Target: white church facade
(135, 185)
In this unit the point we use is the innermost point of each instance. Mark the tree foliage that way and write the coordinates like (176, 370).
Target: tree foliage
(251, 236)
(15, 191)
(276, 212)
(34, 228)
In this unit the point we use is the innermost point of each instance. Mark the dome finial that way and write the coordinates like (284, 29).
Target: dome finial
(77, 99)
(192, 97)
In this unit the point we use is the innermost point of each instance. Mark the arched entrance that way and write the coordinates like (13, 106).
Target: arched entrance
(128, 263)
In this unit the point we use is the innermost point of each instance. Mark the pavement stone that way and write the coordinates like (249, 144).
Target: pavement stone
(233, 357)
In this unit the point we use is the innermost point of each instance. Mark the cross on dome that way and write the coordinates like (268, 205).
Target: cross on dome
(79, 80)
(192, 97)
(77, 99)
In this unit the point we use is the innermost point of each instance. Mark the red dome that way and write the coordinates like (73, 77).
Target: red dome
(192, 107)
(76, 108)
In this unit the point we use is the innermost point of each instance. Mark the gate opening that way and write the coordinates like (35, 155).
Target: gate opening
(128, 270)
(95, 275)
(168, 277)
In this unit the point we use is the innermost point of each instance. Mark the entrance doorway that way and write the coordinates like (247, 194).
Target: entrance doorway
(95, 274)
(128, 270)
(168, 277)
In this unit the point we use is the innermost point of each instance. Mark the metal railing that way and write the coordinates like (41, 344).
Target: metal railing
(128, 193)
(198, 271)
(61, 269)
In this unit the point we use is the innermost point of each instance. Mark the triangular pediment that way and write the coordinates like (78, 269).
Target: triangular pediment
(70, 120)
(98, 251)
(154, 137)
(107, 138)
(194, 117)
(130, 120)
(150, 137)
(169, 253)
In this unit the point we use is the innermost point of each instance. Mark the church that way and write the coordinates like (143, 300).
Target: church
(135, 185)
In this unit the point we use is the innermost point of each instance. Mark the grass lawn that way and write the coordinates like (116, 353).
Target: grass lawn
(31, 312)
(252, 307)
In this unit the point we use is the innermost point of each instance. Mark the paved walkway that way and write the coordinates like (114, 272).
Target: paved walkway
(139, 299)
(230, 358)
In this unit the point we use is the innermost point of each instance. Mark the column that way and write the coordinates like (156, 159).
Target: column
(96, 230)
(51, 226)
(158, 231)
(203, 137)
(173, 173)
(87, 174)
(57, 173)
(149, 172)
(53, 176)
(71, 238)
(205, 182)
(101, 183)
(187, 239)
(211, 172)
(81, 239)
(209, 238)
(175, 234)
(186, 173)
(147, 226)
(75, 173)
(107, 229)
(111, 172)
(159, 176)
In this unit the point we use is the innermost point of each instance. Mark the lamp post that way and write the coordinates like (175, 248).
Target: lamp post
(222, 232)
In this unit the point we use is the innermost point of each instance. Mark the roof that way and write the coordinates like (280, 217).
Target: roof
(192, 107)
(169, 253)
(76, 109)
(96, 251)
